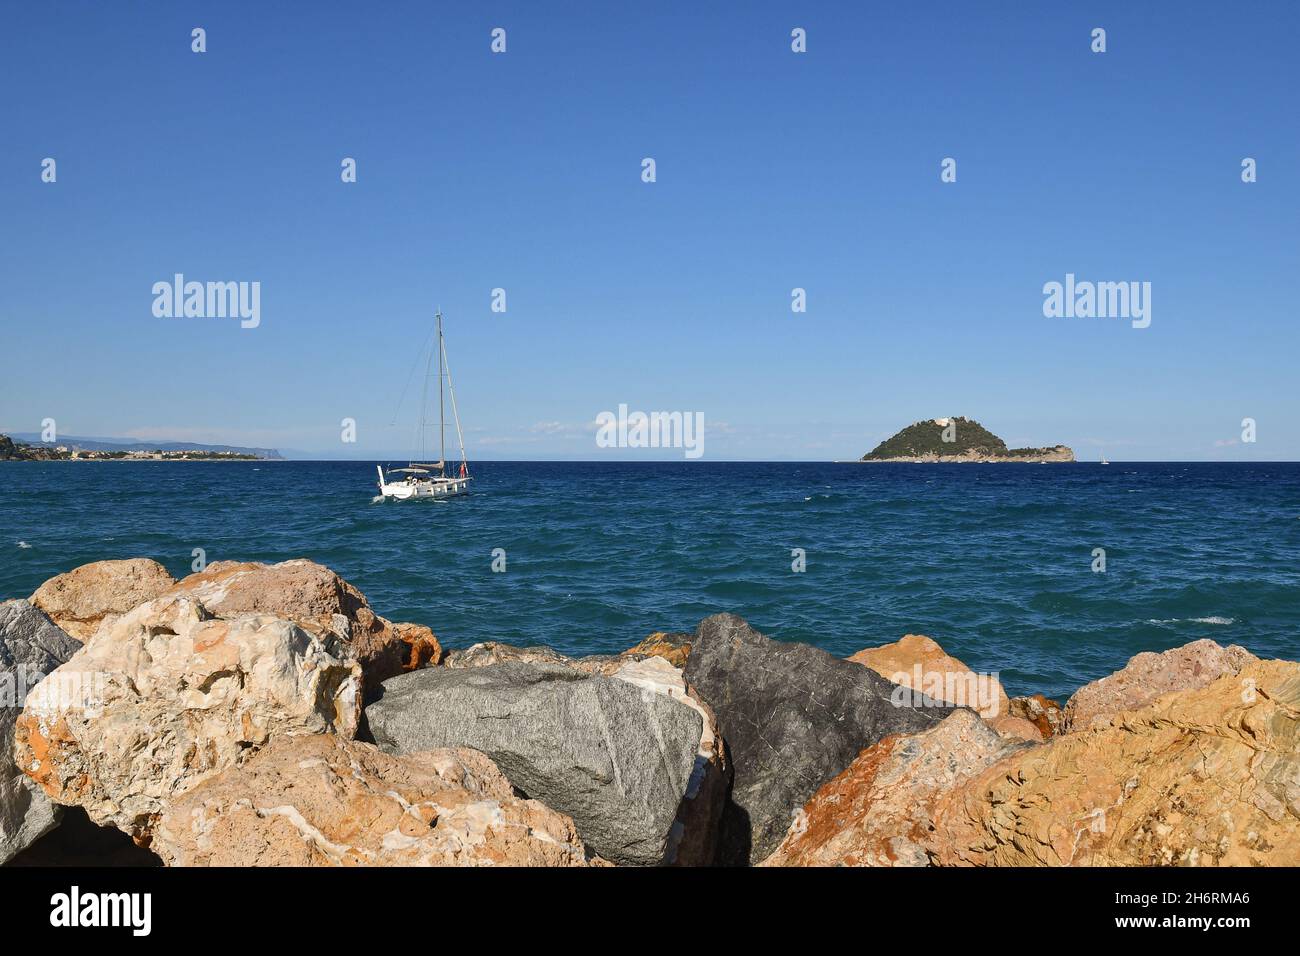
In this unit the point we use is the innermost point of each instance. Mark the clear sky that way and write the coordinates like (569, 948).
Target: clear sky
(775, 170)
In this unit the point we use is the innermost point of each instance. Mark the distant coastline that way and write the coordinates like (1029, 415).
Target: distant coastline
(101, 450)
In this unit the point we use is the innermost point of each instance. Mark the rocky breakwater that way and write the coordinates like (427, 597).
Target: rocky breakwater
(219, 720)
(1187, 757)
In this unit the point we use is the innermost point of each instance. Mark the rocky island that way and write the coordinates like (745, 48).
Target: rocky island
(958, 440)
(265, 715)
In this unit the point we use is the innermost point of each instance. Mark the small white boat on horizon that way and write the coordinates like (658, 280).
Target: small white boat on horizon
(421, 479)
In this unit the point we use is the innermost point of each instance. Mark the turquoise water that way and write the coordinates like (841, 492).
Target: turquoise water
(993, 561)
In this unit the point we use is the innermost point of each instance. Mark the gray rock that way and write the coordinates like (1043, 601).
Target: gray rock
(620, 759)
(792, 717)
(31, 646)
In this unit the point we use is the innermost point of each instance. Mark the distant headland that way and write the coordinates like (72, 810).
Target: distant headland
(104, 449)
(958, 440)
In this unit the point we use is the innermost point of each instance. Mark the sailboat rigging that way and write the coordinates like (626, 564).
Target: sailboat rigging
(423, 479)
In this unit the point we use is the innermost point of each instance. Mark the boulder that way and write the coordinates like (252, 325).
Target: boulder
(879, 812)
(167, 696)
(1202, 777)
(31, 647)
(693, 840)
(82, 599)
(1015, 728)
(672, 647)
(920, 663)
(424, 649)
(1043, 712)
(1147, 676)
(793, 717)
(631, 758)
(317, 600)
(492, 652)
(322, 800)
(488, 653)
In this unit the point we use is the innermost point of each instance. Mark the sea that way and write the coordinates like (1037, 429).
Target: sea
(1048, 575)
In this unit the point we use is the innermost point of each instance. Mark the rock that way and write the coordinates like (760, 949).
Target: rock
(1206, 776)
(1015, 728)
(31, 647)
(1042, 712)
(317, 600)
(624, 756)
(921, 664)
(82, 599)
(488, 653)
(693, 839)
(325, 801)
(878, 812)
(424, 649)
(1147, 676)
(167, 696)
(492, 652)
(672, 647)
(793, 717)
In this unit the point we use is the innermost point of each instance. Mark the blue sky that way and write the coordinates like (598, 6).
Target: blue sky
(775, 170)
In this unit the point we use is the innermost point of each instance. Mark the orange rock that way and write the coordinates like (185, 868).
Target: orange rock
(82, 599)
(1205, 776)
(324, 801)
(166, 696)
(921, 664)
(674, 648)
(425, 651)
(1043, 712)
(878, 811)
(1148, 675)
(1016, 728)
(319, 601)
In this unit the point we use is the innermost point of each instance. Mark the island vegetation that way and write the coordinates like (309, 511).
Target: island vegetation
(957, 440)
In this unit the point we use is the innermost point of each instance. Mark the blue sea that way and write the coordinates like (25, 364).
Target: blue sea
(993, 561)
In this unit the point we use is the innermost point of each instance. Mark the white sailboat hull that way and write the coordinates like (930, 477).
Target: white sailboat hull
(408, 488)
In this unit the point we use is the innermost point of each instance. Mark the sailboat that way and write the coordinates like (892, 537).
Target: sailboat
(1103, 459)
(430, 479)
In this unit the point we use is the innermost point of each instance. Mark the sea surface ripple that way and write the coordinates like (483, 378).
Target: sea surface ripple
(993, 561)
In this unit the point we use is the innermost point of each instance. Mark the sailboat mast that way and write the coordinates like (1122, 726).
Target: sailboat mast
(442, 422)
